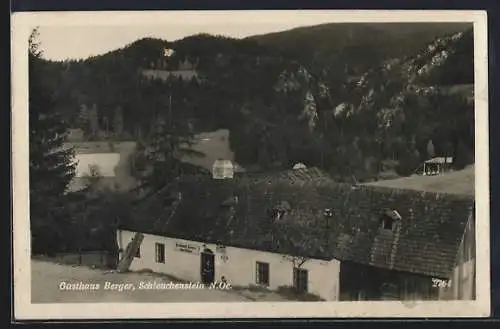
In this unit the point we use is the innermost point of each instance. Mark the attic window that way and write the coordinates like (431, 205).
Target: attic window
(389, 218)
(230, 202)
(280, 210)
(279, 214)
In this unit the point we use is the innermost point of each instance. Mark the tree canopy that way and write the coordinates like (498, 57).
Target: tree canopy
(336, 106)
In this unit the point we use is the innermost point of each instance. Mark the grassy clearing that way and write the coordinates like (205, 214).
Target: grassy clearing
(456, 182)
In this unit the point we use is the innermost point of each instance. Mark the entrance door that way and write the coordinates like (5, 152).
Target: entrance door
(207, 266)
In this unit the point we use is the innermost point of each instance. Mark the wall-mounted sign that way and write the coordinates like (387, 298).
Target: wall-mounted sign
(187, 247)
(220, 249)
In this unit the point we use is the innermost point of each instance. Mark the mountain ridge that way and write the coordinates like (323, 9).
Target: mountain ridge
(275, 100)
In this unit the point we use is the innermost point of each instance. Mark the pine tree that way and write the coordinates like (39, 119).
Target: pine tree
(170, 140)
(51, 167)
(83, 118)
(430, 149)
(94, 121)
(162, 155)
(118, 122)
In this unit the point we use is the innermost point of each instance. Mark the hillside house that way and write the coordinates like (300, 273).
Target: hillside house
(186, 71)
(75, 135)
(105, 164)
(213, 146)
(437, 165)
(299, 228)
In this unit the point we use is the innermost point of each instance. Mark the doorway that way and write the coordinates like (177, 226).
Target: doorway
(207, 267)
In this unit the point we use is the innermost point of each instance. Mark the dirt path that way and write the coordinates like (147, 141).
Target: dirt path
(54, 283)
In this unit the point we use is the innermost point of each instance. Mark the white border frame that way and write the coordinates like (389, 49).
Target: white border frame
(23, 23)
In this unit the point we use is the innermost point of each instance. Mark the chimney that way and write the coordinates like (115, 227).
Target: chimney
(299, 166)
(222, 169)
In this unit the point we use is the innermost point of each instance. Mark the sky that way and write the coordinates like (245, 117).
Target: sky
(80, 42)
(75, 42)
(78, 35)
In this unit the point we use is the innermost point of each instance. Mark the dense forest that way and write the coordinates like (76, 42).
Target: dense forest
(356, 100)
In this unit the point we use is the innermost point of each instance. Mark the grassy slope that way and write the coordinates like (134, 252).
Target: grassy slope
(215, 145)
(458, 182)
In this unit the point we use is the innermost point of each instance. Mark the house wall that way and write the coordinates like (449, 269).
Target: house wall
(362, 282)
(239, 268)
(185, 75)
(113, 160)
(462, 285)
(105, 163)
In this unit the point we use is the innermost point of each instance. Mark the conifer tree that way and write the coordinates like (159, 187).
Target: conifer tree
(51, 167)
(430, 149)
(83, 118)
(94, 121)
(118, 122)
(166, 147)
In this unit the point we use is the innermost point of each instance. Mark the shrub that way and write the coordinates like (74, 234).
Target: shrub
(292, 293)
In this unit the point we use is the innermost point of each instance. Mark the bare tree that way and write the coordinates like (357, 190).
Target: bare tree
(296, 237)
(93, 177)
(430, 149)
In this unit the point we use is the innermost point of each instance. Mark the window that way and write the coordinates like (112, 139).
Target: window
(387, 223)
(218, 172)
(389, 219)
(278, 214)
(280, 210)
(300, 279)
(138, 252)
(160, 252)
(262, 273)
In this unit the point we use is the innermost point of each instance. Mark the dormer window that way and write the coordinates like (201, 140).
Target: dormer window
(389, 218)
(280, 210)
(279, 214)
(230, 202)
(223, 169)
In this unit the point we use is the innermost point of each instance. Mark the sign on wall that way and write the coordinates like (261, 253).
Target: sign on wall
(187, 247)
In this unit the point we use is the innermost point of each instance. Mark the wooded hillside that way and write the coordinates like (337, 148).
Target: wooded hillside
(353, 99)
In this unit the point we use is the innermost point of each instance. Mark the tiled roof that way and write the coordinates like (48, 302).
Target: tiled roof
(460, 182)
(426, 241)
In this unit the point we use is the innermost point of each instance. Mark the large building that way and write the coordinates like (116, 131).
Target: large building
(106, 164)
(299, 228)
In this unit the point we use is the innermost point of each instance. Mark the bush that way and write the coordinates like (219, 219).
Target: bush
(251, 288)
(292, 293)
(387, 175)
(405, 169)
(257, 288)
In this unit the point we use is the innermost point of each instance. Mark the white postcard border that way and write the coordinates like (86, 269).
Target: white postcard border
(23, 23)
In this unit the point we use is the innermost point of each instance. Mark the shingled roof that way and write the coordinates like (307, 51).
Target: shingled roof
(426, 240)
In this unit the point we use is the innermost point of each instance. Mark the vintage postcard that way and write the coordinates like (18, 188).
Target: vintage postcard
(250, 164)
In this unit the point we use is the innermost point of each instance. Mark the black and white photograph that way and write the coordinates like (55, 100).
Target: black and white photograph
(250, 164)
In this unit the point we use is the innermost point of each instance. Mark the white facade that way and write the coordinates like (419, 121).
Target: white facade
(105, 163)
(223, 169)
(299, 165)
(237, 265)
(110, 160)
(461, 285)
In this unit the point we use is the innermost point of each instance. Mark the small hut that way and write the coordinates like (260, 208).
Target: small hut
(437, 166)
(223, 169)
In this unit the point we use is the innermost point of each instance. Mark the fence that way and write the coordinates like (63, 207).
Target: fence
(88, 258)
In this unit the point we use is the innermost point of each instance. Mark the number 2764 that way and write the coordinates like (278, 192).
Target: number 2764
(439, 283)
